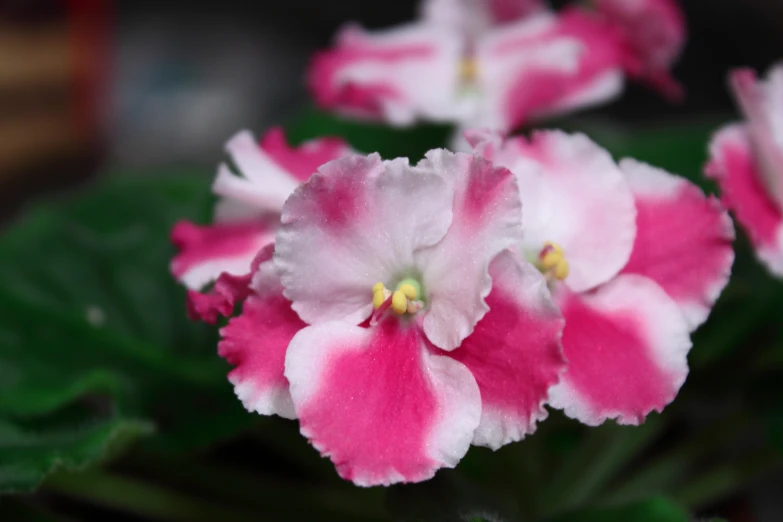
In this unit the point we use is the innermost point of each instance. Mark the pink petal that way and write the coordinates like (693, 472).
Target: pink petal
(654, 31)
(762, 103)
(626, 344)
(733, 165)
(514, 353)
(573, 193)
(356, 222)
(255, 342)
(455, 272)
(397, 75)
(547, 65)
(302, 161)
(205, 252)
(683, 239)
(377, 403)
(473, 17)
(261, 185)
(228, 290)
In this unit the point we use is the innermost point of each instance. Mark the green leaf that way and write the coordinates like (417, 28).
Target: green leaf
(656, 509)
(390, 142)
(95, 345)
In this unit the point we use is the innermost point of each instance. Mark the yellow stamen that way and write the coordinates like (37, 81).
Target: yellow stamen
(409, 290)
(377, 287)
(468, 69)
(399, 302)
(378, 298)
(561, 270)
(552, 261)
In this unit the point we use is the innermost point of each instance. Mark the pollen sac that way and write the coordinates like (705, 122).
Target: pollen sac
(552, 261)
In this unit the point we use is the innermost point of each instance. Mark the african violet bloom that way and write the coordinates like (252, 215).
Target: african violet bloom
(247, 213)
(465, 62)
(747, 161)
(398, 319)
(636, 258)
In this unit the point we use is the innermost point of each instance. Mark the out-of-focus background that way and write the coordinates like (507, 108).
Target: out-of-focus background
(89, 82)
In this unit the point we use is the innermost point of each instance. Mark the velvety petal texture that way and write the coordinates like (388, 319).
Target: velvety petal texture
(247, 212)
(398, 74)
(358, 221)
(573, 194)
(626, 344)
(514, 353)
(205, 252)
(734, 165)
(486, 220)
(378, 403)
(683, 239)
(256, 341)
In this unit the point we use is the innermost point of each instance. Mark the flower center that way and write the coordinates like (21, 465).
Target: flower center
(405, 299)
(468, 70)
(551, 262)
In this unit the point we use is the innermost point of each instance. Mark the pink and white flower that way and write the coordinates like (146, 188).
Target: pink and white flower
(636, 258)
(473, 17)
(497, 63)
(246, 215)
(746, 159)
(424, 333)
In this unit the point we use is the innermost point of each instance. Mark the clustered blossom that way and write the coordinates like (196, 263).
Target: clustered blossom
(404, 312)
(401, 313)
(747, 161)
(498, 63)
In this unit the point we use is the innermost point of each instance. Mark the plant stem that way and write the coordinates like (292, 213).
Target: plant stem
(126, 494)
(602, 454)
(303, 500)
(724, 479)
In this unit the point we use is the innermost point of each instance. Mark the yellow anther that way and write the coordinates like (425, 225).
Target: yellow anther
(399, 302)
(409, 290)
(551, 259)
(561, 270)
(378, 298)
(468, 69)
(551, 245)
(377, 287)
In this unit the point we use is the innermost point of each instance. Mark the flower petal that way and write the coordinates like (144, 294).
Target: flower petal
(378, 403)
(733, 165)
(397, 75)
(302, 161)
(486, 221)
(626, 344)
(655, 32)
(255, 342)
(205, 252)
(473, 17)
(261, 186)
(547, 65)
(514, 353)
(268, 172)
(762, 103)
(574, 194)
(683, 239)
(356, 222)
(228, 290)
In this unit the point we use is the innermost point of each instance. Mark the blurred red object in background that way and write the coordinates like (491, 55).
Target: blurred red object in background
(53, 81)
